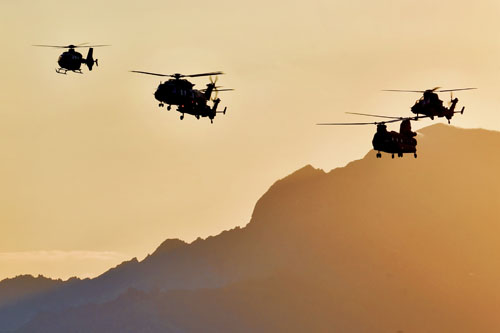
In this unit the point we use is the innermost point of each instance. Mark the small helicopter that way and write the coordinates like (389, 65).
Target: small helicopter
(391, 142)
(72, 60)
(180, 92)
(430, 104)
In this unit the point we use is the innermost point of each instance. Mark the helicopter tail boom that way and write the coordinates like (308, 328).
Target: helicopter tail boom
(216, 104)
(223, 111)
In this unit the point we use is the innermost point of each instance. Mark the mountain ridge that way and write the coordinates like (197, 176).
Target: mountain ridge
(354, 244)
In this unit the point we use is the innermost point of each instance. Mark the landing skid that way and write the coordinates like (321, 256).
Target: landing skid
(379, 155)
(64, 71)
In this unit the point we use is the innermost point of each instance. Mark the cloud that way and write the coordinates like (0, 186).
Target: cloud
(57, 255)
(58, 264)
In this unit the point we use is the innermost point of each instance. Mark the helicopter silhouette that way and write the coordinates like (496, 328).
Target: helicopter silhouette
(430, 104)
(400, 143)
(179, 91)
(72, 60)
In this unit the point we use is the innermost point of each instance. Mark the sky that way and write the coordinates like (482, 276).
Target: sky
(94, 173)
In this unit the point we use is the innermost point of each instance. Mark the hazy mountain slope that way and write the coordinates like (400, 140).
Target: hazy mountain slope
(25, 289)
(242, 307)
(378, 246)
(23, 286)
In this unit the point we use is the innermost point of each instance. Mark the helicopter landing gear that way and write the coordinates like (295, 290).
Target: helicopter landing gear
(400, 154)
(415, 155)
(169, 107)
(182, 116)
(61, 71)
(392, 155)
(211, 121)
(197, 116)
(379, 155)
(160, 105)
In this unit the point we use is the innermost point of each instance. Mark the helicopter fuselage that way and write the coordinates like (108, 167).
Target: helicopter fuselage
(71, 60)
(393, 142)
(179, 92)
(191, 101)
(430, 105)
(197, 110)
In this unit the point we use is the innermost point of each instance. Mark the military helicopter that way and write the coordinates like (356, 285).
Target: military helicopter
(391, 142)
(180, 92)
(430, 104)
(72, 60)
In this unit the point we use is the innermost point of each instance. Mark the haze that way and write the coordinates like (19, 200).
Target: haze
(93, 172)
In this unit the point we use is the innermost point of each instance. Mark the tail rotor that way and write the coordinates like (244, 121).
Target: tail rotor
(451, 99)
(213, 83)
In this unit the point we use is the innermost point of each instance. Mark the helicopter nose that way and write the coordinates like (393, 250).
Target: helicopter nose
(60, 61)
(157, 95)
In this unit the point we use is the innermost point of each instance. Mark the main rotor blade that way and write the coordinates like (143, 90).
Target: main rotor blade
(177, 75)
(149, 73)
(92, 45)
(413, 91)
(433, 90)
(56, 46)
(448, 90)
(204, 74)
(225, 89)
(374, 115)
(418, 117)
(341, 124)
(394, 119)
(71, 46)
(376, 123)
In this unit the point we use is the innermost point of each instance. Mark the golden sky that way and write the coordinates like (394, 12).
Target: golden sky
(93, 172)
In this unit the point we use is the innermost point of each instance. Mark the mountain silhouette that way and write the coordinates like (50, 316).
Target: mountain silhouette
(381, 245)
(25, 286)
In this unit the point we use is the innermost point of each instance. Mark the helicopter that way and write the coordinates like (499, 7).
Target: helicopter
(400, 143)
(72, 60)
(430, 104)
(179, 91)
